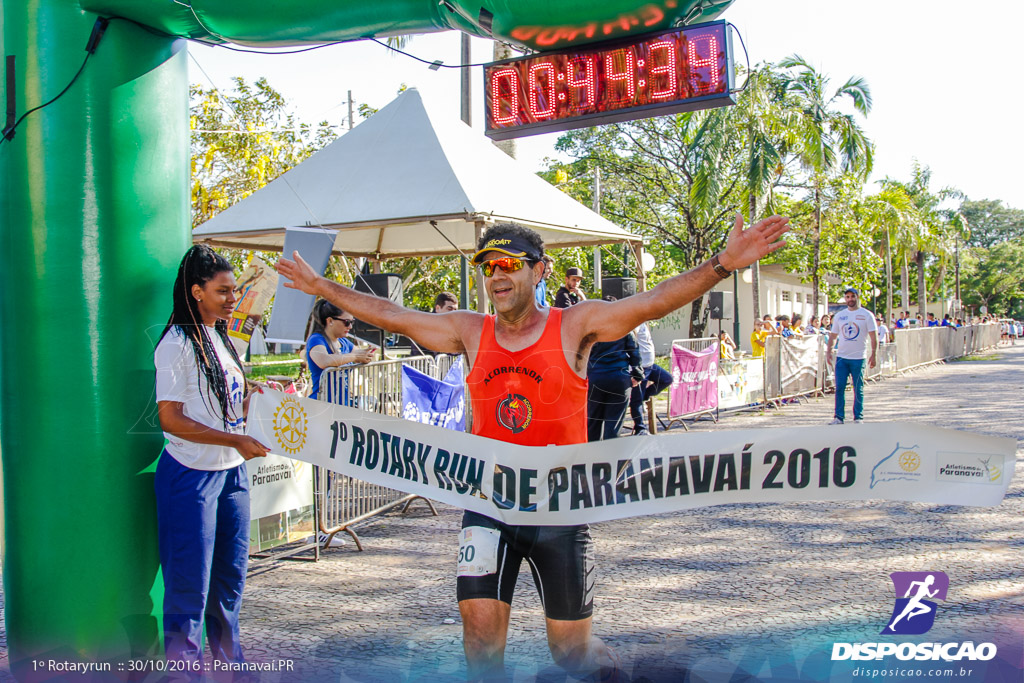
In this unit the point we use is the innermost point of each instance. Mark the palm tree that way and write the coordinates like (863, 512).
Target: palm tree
(770, 135)
(829, 140)
(933, 232)
(889, 215)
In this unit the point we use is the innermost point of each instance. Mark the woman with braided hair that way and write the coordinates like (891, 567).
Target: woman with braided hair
(202, 487)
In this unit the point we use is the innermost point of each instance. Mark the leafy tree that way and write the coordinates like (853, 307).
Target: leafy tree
(931, 232)
(829, 140)
(770, 131)
(844, 244)
(674, 179)
(242, 140)
(991, 222)
(888, 216)
(994, 277)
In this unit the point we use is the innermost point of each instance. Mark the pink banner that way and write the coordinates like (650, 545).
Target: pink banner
(694, 380)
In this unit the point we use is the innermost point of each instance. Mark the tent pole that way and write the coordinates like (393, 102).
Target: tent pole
(481, 293)
(463, 283)
(641, 276)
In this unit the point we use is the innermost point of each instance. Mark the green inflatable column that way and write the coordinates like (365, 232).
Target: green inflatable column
(93, 220)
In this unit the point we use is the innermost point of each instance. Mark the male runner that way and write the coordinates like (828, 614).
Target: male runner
(528, 386)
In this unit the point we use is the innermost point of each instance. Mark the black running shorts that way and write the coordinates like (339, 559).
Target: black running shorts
(561, 559)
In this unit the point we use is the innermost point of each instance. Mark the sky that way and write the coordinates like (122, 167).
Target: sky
(940, 73)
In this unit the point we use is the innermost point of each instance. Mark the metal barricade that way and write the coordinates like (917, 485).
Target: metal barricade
(343, 501)
(772, 368)
(919, 347)
(696, 345)
(885, 365)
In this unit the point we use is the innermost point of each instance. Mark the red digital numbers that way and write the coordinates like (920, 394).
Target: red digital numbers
(504, 91)
(561, 90)
(662, 59)
(706, 45)
(581, 79)
(540, 90)
(620, 77)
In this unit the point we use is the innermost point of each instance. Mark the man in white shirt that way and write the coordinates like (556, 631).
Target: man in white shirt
(883, 331)
(856, 333)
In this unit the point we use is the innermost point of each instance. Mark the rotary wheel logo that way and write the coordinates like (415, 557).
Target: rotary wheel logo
(290, 425)
(909, 461)
(515, 413)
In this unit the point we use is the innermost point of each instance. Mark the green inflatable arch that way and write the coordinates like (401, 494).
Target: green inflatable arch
(94, 203)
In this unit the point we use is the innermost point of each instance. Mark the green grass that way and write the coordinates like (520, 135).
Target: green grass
(260, 368)
(988, 356)
(256, 360)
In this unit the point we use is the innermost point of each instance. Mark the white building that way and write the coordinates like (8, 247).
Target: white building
(781, 293)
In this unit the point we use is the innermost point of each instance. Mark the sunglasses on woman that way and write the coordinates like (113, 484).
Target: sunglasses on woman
(347, 322)
(508, 264)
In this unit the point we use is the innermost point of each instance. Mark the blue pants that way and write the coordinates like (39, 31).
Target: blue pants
(662, 381)
(607, 398)
(854, 370)
(203, 529)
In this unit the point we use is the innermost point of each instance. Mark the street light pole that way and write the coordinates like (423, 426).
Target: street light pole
(959, 301)
(736, 307)
(466, 98)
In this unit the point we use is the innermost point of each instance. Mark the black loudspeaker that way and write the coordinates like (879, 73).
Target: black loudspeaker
(619, 287)
(720, 305)
(384, 285)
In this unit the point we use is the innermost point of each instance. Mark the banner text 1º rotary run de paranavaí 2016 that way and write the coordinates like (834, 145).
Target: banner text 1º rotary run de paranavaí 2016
(593, 482)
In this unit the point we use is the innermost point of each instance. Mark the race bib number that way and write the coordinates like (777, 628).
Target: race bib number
(478, 551)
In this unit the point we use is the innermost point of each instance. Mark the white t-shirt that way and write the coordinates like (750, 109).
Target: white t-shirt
(178, 379)
(646, 344)
(853, 328)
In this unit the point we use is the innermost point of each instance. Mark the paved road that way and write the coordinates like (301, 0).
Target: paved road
(700, 595)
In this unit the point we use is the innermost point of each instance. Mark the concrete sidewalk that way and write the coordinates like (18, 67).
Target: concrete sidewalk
(709, 594)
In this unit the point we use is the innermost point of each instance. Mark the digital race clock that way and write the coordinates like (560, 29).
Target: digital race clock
(679, 70)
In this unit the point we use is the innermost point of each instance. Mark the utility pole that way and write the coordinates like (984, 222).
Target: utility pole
(597, 210)
(350, 124)
(735, 308)
(959, 301)
(466, 93)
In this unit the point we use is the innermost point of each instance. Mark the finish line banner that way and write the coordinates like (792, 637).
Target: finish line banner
(640, 475)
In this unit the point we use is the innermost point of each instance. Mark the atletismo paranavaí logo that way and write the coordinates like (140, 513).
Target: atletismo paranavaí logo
(913, 613)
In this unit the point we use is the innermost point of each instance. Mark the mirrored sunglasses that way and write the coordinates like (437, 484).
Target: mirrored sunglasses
(508, 264)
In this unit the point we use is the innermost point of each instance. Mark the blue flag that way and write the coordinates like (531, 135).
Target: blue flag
(435, 402)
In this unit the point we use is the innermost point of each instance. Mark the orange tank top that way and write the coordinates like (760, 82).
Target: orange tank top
(530, 397)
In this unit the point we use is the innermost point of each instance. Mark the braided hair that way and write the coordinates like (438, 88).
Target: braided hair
(200, 265)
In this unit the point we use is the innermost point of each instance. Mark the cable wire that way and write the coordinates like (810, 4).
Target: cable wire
(746, 56)
(9, 132)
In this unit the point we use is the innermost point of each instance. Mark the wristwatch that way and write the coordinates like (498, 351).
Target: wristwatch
(719, 268)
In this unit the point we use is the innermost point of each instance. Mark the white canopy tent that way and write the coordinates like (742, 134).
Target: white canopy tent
(407, 182)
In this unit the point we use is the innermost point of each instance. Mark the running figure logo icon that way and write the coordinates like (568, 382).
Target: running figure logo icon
(515, 413)
(913, 614)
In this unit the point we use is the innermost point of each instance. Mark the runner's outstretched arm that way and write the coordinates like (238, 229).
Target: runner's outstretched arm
(438, 331)
(606, 321)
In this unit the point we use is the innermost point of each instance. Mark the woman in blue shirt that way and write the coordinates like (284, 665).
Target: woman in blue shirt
(328, 346)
